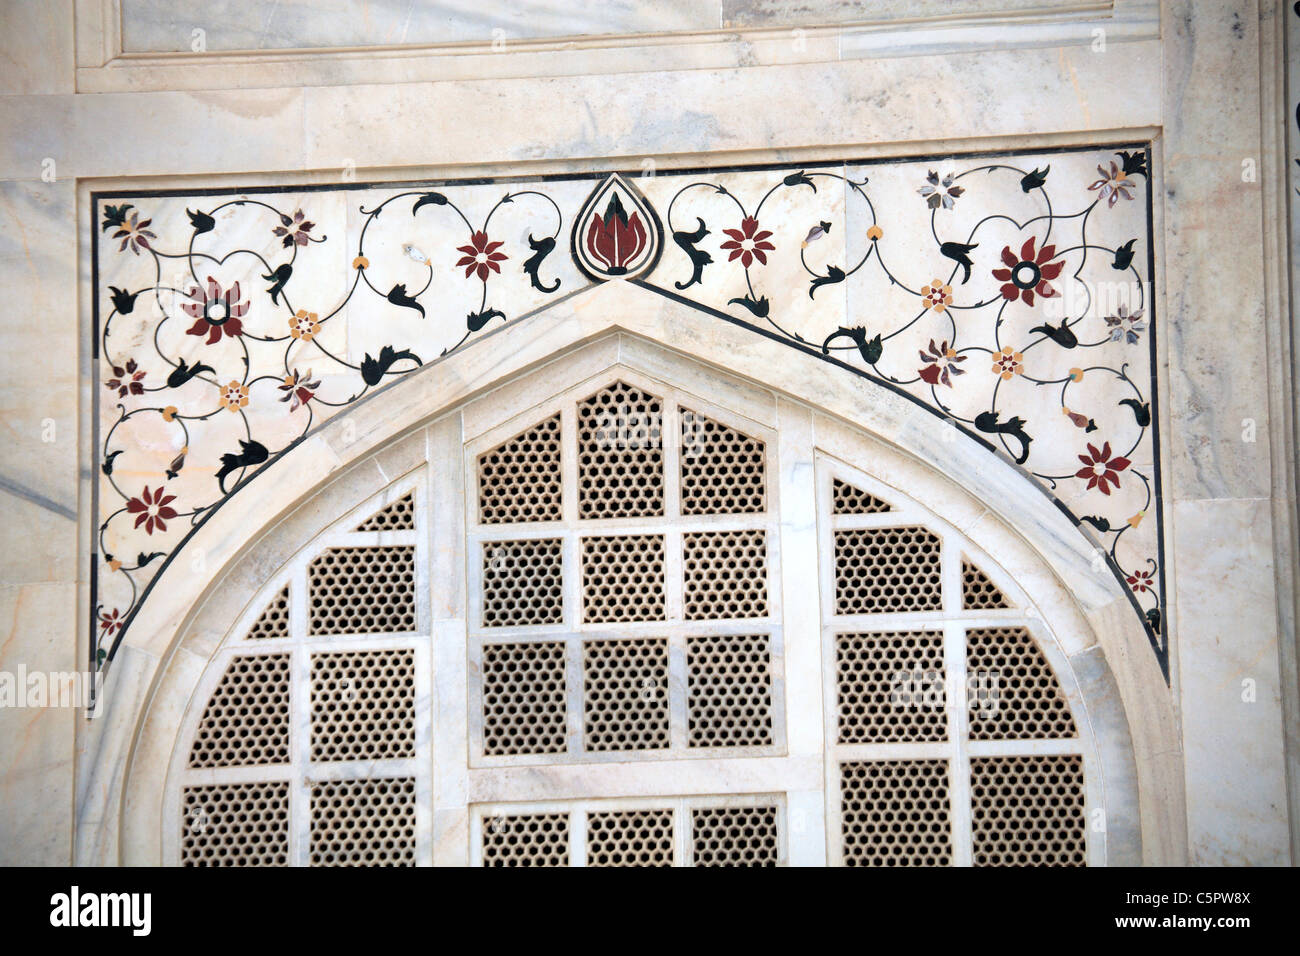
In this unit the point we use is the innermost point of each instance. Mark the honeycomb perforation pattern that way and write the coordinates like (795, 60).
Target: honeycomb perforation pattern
(363, 822)
(246, 720)
(848, 500)
(363, 705)
(887, 569)
(895, 813)
(363, 590)
(630, 838)
(623, 578)
(524, 695)
(625, 694)
(239, 824)
(891, 687)
(734, 836)
(729, 690)
(523, 582)
(398, 516)
(978, 593)
(620, 454)
(725, 574)
(274, 621)
(723, 470)
(1028, 811)
(528, 839)
(1012, 692)
(519, 480)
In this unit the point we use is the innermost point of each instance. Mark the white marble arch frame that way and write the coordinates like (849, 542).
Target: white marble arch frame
(379, 439)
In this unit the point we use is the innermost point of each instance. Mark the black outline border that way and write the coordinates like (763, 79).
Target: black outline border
(656, 225)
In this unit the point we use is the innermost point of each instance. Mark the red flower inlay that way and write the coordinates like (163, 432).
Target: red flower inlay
(218, 312)
(294, 231)
(747, 243)
(127, 380)
(151, 508)
(133, 233)
(1029, 274)
(1113, 184)
(481, 256)
(298, 389)
(942, 364)
(1141, 582)
(1100, 469)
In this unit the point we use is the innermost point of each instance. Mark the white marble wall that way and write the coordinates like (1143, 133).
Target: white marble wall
(39, 566)
(1225, 606)
(1286, 196)
(152, 27)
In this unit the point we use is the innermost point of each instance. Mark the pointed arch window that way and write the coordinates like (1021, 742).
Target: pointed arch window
(602, 654)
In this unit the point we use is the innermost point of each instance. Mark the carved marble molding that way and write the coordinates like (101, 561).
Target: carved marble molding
(1009, 295)
(123, 45)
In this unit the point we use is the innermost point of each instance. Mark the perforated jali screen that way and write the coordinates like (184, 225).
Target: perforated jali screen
(622, 560)
(698, 831)
(636, 559)
(306, 749)
(952, 738)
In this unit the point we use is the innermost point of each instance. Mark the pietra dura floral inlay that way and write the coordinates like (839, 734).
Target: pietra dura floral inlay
(1008, 295)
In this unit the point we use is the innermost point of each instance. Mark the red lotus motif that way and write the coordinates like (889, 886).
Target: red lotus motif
(616, 239)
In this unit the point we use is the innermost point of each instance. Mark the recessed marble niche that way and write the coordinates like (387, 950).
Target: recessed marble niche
(1007, 294)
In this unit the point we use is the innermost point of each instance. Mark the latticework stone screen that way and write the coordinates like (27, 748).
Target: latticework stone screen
(310, 747)
(274, 621)
(630, 838)
(524, 698)
(887, 569)
(520, 480)
(246, 721)
(621, 630)
(657, 546)
(241, 824)
(881, 679)
(362, 705)
(1028, 811)
(729, 690)
(746, 831)
(399, 516)
(626, 538)
(363, 590)
(896, 813)
(522, 583)
(952, 735)
(363, 822)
